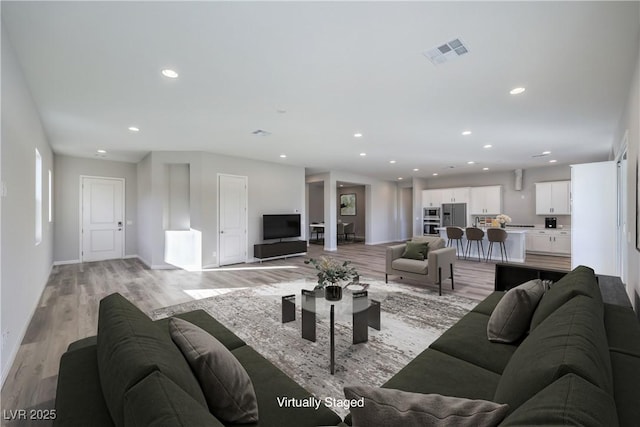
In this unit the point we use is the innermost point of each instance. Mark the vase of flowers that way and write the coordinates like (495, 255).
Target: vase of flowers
(503, 220)
(331, 273)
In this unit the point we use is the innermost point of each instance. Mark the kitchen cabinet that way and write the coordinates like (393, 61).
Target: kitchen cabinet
(553, 198)
(455, 195)
(486, 200)
(431, 198)
(556, 242)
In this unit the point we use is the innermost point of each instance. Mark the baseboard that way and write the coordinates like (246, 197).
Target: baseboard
(77, 261)
(163, 267)
(381, 242)
(71, 261)
(144, 261)
(210, 266)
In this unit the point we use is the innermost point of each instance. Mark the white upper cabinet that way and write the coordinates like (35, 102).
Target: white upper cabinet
(553, 198)
(455, 195)
(431, 198)
(486, 200)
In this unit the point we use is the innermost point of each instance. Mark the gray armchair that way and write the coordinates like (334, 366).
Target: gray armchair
(436, 267)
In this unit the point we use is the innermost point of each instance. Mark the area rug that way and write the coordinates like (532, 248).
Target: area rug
(411, 319)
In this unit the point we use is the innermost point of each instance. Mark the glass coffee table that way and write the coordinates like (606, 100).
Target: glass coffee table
(355, 305)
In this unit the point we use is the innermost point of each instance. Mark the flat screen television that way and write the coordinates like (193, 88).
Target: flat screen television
(280, 226)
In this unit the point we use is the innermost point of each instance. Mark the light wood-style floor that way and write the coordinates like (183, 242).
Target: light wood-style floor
(68, 308)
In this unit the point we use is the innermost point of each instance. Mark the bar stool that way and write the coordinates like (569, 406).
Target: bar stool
(455, 233)
(474, 234)
(497, 235)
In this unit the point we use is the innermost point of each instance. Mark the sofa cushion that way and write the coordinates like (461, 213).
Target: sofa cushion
(626, 383)
(389, 407)
(79, 400)
(409, 265)
(435, 372)
(580, 281)
(434, 242)
(571, 340)
(511, 317)
(570, 400)
(225, 383)
(273, 387)
(130, 347)
(156, 401)
(487, 305)
(203, 320)
(467, 340)
(416, 250)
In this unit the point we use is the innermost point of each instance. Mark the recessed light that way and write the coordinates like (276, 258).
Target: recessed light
(102, 151)
(392, 161)
(400, 178)
(169, 73)
(357, 135)
(283, 156)
(416, 169)
(545, 153)
(435, 174)
(552, 161)
(134, 129)
(485, 169)
(363, 154)
(487, 146)
(466, 132)
(517, 90)
(470, 162)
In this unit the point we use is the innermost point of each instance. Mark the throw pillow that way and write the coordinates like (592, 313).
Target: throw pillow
(511, 318)
(389, 407)
(416, 250)
(225, 383)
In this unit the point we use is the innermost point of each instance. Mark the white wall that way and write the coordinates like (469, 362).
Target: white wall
(145, 210)
(630, 122)
(316, 202)
(359, 219)
(381, 207)
(25, 266)
(273, 188)
(67, 207)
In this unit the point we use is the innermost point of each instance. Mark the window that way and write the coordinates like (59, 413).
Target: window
(38, 198)
(50, 196)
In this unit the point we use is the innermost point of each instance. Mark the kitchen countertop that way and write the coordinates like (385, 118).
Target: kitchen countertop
(508, 230)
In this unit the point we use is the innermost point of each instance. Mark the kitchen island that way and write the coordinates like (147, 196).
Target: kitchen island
(515, 244)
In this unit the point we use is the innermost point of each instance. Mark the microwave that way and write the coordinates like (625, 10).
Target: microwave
(432, 212)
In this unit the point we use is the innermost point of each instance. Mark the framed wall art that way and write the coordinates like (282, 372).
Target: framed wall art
(348, 204)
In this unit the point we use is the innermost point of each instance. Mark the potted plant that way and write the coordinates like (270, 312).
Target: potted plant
(503, 220)
(331, 273)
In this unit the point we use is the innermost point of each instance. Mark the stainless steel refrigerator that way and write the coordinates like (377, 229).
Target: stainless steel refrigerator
(454, 215)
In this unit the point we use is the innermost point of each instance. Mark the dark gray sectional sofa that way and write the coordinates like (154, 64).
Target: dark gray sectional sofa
(578, 365)
(132, 374)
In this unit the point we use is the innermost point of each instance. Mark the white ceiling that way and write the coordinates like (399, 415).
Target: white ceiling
(336, 68)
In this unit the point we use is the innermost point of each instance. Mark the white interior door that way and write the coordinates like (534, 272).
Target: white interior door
(102, 205)
(232, 200)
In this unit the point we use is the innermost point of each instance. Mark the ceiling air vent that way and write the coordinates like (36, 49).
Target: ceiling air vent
(447, 52)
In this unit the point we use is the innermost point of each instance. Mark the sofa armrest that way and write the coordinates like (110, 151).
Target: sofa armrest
(440, 258)
(393, 252)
